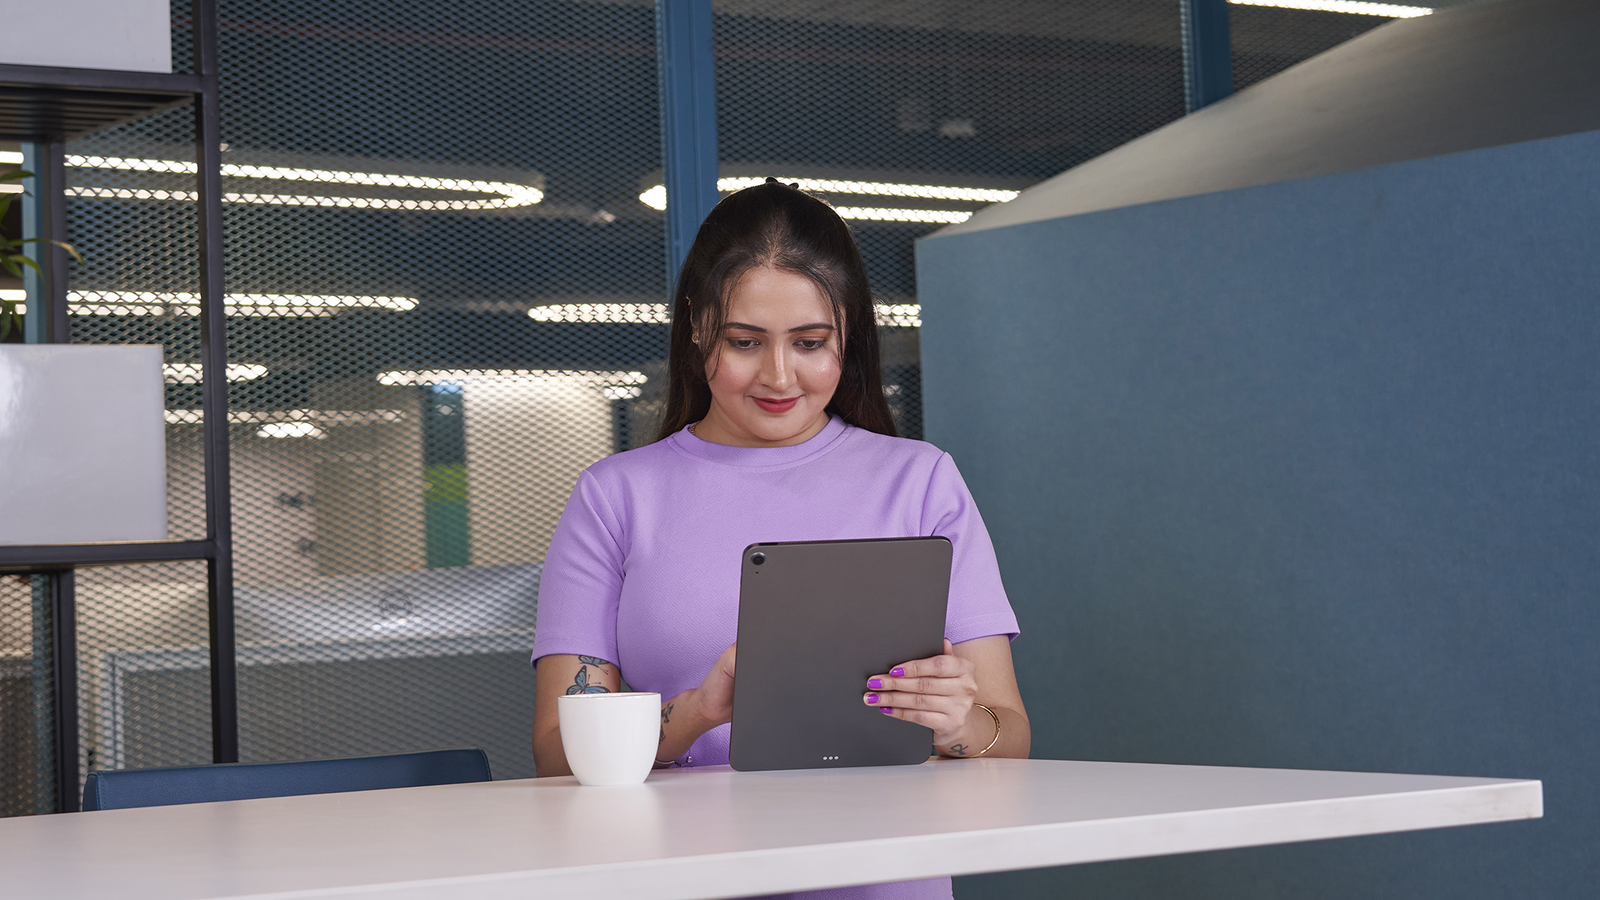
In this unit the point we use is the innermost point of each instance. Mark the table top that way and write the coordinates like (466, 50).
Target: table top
(713, 832)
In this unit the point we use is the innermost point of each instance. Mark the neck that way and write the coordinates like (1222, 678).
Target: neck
(717, 429)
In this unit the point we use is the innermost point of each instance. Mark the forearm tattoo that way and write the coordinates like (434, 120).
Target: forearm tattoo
(958, 749)
(666, 716)
(580, 683)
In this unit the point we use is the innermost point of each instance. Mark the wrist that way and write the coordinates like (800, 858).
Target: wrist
(979, 734)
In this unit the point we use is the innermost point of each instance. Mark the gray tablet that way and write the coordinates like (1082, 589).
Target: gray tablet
(816, 618)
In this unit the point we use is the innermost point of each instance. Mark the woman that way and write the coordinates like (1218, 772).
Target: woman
(776, 430)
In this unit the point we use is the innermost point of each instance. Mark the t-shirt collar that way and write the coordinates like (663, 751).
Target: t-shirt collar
(727, 454)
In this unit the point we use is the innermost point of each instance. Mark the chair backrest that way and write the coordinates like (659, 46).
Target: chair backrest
(124, 788)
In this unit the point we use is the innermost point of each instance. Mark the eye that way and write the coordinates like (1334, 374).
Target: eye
(812, 343)
(743, 343)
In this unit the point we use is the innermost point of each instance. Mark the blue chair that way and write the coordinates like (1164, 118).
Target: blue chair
(125, 788)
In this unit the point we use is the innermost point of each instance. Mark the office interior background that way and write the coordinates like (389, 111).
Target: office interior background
(446, 267)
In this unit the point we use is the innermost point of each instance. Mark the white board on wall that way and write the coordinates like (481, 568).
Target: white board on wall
(82, 444)
(131, 35)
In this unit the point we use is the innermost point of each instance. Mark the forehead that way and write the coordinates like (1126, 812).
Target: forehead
(777, 299)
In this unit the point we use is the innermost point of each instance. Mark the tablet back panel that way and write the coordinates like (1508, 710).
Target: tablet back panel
(816, 618)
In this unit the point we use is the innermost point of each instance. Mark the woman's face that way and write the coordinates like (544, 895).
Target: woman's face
(775, 366)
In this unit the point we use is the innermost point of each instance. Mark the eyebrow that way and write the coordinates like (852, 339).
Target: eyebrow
(814, 326)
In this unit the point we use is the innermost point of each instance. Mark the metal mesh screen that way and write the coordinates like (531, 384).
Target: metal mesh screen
(27, 698)
(144, 666)
(404, 183)
(909, 115)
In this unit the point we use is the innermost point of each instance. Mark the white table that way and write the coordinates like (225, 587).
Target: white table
(713, 832)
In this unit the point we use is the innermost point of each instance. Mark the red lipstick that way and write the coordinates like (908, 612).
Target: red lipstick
(777, 406)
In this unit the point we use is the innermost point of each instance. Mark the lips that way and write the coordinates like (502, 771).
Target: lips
(776, 406)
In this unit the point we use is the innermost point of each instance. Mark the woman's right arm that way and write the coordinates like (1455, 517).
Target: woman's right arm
(684, 717)
(555, 675)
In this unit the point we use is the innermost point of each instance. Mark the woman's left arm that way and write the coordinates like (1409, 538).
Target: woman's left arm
(944, 693)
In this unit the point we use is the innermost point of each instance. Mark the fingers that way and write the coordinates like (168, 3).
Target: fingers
(940, 723)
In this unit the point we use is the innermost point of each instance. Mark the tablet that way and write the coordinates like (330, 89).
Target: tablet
(816, 618)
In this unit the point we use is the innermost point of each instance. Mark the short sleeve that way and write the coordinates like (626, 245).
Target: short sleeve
(582, 579)
(978, 603)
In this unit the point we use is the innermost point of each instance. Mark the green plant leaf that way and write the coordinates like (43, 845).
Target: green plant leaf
(10, 262)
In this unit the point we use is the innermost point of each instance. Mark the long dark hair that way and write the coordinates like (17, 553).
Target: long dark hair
(777, 226)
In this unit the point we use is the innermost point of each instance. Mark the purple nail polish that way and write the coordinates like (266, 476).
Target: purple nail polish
(872, 698)
(887, 710)
(897, 672)
(875, 682)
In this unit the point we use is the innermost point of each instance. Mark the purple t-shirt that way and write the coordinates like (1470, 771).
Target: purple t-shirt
(643, 569)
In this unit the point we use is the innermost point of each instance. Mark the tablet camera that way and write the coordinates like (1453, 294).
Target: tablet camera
(758, 558)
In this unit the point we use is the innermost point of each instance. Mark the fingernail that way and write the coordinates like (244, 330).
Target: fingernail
(875, 682)
(872, 698)
(897, 672)
(887, 710)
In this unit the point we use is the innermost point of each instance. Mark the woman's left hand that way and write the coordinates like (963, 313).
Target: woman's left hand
(937, 692)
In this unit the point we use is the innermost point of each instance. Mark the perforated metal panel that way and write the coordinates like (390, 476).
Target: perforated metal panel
(27, 698)
(445, 273)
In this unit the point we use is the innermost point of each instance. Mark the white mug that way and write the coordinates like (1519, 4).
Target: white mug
(610, 739)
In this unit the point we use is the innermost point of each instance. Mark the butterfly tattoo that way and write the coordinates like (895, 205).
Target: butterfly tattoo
(581, 685)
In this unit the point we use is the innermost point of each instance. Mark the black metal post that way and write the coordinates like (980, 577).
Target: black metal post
(1207, 53)
(64, 660)
(53, 195)
(214, 391)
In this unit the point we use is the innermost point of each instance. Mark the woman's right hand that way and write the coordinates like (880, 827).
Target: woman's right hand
(714, 696)
(698, 710)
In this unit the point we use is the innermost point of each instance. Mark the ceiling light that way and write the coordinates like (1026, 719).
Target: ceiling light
(890, 314)
(290, 430)
(267, 417)
(1354, 7)
(879, 214)
(498, 194)
(878, 189)
(446, 376)
(151, 303)
(619, 313)
(190, 373)
(903, 315)
(10, 158)
(656, 197)
(10, 188)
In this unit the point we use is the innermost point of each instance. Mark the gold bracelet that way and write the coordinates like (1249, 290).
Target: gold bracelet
(996, 728)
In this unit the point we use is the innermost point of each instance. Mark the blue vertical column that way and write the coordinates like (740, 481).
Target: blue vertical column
(687, 69)
(1207, 53)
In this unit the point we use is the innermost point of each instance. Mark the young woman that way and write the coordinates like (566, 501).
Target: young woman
(776, 430)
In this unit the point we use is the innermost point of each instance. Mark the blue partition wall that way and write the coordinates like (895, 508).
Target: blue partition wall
(1301, 475)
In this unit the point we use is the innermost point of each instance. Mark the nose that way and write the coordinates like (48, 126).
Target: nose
(776, 371)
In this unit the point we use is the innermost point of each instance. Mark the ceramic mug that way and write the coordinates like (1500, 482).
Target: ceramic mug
(610, 739)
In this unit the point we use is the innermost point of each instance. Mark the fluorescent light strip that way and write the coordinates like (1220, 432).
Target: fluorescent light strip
(656, 197)
(150, 303)
(877, 189)
(319, 416)
(877, 214)
(447, 376)
(511, 195)
(190, 373)
(908, 315)
(903, 315)
(10, 158)
(611, 313)
(1353, 7)
(10, 188)
(290, 430)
